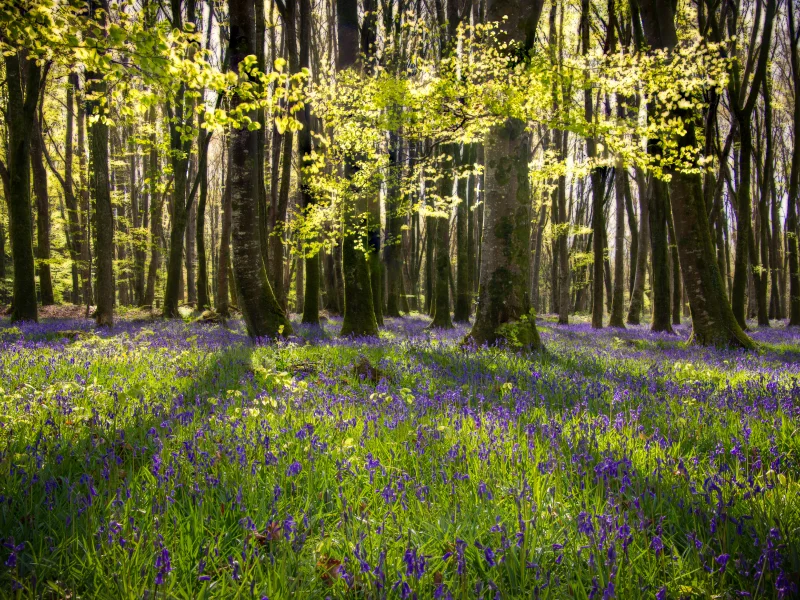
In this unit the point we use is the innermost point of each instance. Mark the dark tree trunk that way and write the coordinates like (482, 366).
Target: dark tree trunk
(743, 103)
(618, 300)
(21, 74)
(441, 298)
(677, 294)
(794, 175)
(712, 318)
(463, 304)
(312, 263)
(658, 197)
(180, 111)
(597, 179)
(262, 314)
(101, 191)
(42, 215)
(359, 312)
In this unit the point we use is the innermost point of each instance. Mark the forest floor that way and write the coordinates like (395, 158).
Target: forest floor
(178, 460)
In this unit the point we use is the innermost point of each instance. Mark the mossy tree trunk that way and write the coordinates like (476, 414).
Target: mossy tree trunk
(263, 315)
(503, 291)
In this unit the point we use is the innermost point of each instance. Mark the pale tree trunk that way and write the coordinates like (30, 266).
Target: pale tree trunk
(223, 306)
(262, 314)
(637, 295)
(503, 291)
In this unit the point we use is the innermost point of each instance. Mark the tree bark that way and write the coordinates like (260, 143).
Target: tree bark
(21, 73)
(262, 314)
(637, 295)
(618, 300)
(794, 175)
(41, 192)
(203, 299)
(223, 305)
(101, 191)
(712, 318)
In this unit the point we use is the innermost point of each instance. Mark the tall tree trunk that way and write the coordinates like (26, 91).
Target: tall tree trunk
(712, 318)
(677, 295)
(640, 274)
(359, 312)
(42, 214)
(441, 298)
(223, 306)
(180, 111)
(156, 217)
(393, 249)
(203, 299)
(463, 304)
(85, 209)
(312, 262)
(794, 174)
(191, 238)
(21, 74)
(618, 301)
(262, 314)
(101, 191)
(597, 179)
(743, 103)
(658, 195)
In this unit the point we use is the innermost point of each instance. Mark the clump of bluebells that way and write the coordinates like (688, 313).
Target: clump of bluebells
(180, 460)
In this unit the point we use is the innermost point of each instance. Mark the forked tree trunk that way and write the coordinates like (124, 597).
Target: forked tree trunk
(263, 315)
